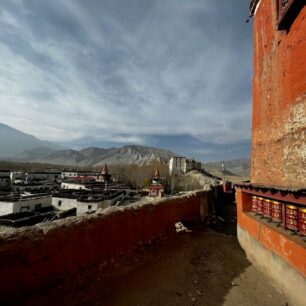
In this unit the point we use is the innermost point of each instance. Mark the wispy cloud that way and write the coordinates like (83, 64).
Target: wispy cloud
(102, 69)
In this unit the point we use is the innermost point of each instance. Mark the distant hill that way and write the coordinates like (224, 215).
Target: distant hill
(21, 147)
(14, 142)
(130, 154)
(240, 167)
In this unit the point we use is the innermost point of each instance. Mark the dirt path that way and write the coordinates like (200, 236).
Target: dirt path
(203, 267)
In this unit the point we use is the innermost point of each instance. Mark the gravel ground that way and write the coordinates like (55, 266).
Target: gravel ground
(204, 267)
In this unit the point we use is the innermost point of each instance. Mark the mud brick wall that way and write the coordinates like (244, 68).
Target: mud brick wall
(44, 254)
(279, 105)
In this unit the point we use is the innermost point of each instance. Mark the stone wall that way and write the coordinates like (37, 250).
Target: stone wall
(279, 106)
(33, 258)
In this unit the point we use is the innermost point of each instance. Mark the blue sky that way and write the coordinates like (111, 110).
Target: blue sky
(170, 73)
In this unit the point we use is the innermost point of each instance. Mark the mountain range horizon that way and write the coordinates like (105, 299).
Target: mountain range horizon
(16, 144)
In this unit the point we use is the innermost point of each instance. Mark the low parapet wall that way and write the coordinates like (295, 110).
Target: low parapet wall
(33, 258)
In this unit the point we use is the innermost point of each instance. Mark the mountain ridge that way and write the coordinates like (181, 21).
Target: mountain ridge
(14, 142)
(94, 156)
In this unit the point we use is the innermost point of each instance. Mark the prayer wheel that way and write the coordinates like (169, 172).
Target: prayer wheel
(276, 211)
(259, 209)
(302, 221)
(254, 204)
(267, 208)
(292, 218)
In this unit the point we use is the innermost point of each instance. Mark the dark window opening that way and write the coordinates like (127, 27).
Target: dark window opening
(37, 206)
(287, 11)
(59, 203)
(89, 207)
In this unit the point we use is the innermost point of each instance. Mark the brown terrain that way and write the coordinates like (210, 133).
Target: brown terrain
(203, 267)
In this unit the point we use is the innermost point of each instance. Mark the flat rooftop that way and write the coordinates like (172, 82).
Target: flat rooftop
(22, 197)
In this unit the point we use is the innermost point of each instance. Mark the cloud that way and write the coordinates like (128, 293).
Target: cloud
(71, 70)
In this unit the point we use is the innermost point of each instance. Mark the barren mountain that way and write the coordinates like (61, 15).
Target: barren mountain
(240, 167)
(14, 142)
(130, 154)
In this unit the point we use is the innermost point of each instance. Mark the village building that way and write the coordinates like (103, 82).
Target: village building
(42, 176)
(177, 165)
(104, 176)
(78, 183)
(5, 180)
(86, 201)
(73, 174)
(21, 203)
(156, 188)
(192, 164)
(181, 165)
(17, 177)
(272, 208)
(100, 180)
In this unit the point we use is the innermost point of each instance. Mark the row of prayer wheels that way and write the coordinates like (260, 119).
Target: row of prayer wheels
(293, 217)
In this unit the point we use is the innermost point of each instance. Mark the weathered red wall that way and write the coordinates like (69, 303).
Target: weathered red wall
(34, 258)
(279, 105)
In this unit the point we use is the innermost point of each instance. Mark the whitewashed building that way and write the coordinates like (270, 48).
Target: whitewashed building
(64, 203)
(180, 165)
(74, 174)
(74, 185)
(17, 177)
(90, 206)
(86, 204)
(177, 165)
(5, 179)
(15, 204)
(69, 174)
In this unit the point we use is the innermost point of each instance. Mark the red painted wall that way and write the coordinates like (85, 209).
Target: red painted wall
(279, 105)
(34, 258)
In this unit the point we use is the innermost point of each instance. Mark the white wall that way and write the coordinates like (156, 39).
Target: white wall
(177, 165)
(68, 174)
(66, 185)
(16, 206)
(6, 208)
(65, 203)
(83, 206)
(16, 177)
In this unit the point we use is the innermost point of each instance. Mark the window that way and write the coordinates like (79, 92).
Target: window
(287, 10)
(89, 207)
(37, 206)
(59, 203)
